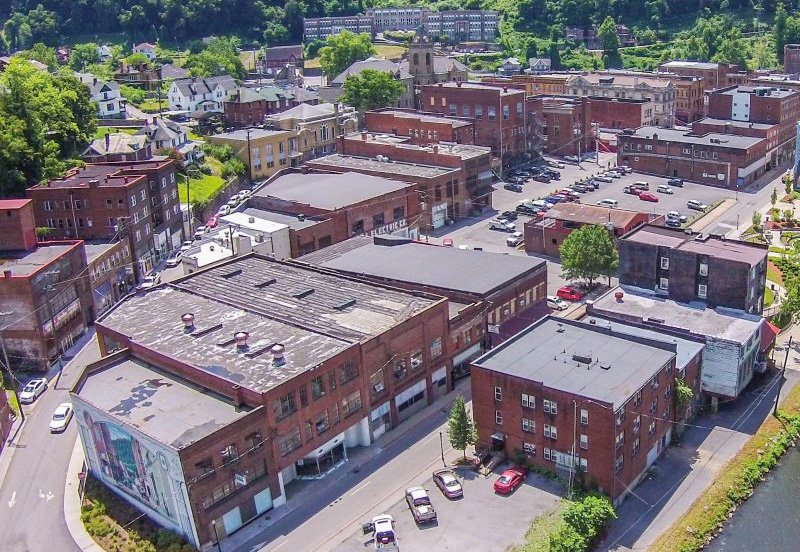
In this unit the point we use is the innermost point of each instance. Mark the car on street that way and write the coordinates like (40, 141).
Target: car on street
(647, 196)
(662, 189)
(213, 222)
(502, 225)
(625, 168)
(514, 239)
(447, 242)
(32, 390)
(509, 480)
(244, 194)
(572, 158)
(542, 178)
(556, 303)
(632, 190)
(608, 203)
(677, 182)
(675, 215)
(224, 210)
(604, 178)
(199, 233)
(556, 164)
(613, 174)
(61, 418)
(696, 205)
(149, 282)
(448, 483)
(187, 245)
(385, 539)
(420, 505)
(508, 215)
(512, 187)
(174, 258)
(569, 293)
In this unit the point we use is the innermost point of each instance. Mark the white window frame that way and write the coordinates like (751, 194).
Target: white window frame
(584, 442)
(498, 417)
(584, 416)
(702, 291)
(528, 425)
(498, 393)
(665, 263)
(528, 401)
(663, 283)
(550, 431)
(703, 270)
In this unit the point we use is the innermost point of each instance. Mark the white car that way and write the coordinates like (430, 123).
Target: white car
(696, 205)
(149, 282)
(514, 239)
(383, 528)
(556, 164)
(200, 233)
(174, 258)
(32, 390)
(502, 225)
(244, 194)
(675, 215)
(573, 158)
(185, 246)
(625, 168)
(224, 210)
(664, 189)
(556, 303)
(61, 418)
(608, 203)
(604, 178)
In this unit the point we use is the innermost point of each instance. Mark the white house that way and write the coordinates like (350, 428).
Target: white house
(105, 53)
(165, 134)
(146, 49)
(510, 66)
(110, 103)
(538, 66)
(196, 94)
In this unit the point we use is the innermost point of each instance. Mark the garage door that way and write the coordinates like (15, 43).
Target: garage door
(232, 520)
(263, 501)
(438, 219)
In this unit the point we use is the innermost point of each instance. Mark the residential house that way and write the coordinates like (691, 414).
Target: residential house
(264, 151)
(246, 106)
(107, 96)
(146, 49)
(105, 52)
(277, 57)
(198, 94)
(537, 66)
(317, 126)
(164, 134)
(118, 146)
(510, 66)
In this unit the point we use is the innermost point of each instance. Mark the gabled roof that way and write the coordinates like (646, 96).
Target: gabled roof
(376, 64)
(162, 129)
(282, 53)
(145, 46)
(196, 85)
(96, 85)
(118, 143)
(305, 112)
(169, 71)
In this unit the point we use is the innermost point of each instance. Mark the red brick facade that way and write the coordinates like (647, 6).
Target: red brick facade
(421, 129)
(791, 59)
(567, 125)
(620, 113)
(17, 225)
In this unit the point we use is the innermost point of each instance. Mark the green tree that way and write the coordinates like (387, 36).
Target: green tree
(83, 55)
(137, 59)
(220, 57)
(787, 183)
(607, 33)
(313, 48)
(763, 54)
(43, 25)
(587, 253)
(276, 34)
(43, 54)
(779, 30)
(342, 50)
(757, 219)
(371, 89)
(461, 430)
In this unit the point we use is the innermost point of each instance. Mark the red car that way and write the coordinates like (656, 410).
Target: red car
(213, 221)
(647, 196)
(569, 293)
(510, 480)
(447, 242)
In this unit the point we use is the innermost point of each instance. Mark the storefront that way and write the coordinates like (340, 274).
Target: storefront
(410, 401)
(439, 383)
(461, 360)
(324, 460)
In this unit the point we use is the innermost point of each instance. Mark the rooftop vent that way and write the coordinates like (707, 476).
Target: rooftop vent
(605, 366)
(260, 351)
(206, 331)
(251, 220)
(232, 273)
(265, 283)
(618, 296)
(345, 304)
(241, 341)
(583, 359)
(652, 320)
(277, 355)
(301, 293)
(188, 322)
(560, 328)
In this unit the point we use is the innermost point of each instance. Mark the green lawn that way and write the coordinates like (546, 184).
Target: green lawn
(102, 131)
(773, 274)
(152, 105)
(201, 188)
(769, 297)
(12, 400)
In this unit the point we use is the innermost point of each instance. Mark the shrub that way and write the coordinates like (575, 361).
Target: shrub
(223, 153)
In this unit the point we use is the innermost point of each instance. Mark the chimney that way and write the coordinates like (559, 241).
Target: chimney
(241, 341)
(188, 322)
(238, 395)
(277, 355)
(95, 183)
(618, 296)
(436, 148)
(6, 274)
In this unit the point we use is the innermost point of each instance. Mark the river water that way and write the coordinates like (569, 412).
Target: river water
(768, 520)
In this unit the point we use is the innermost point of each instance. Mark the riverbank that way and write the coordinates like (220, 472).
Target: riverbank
(735, 483)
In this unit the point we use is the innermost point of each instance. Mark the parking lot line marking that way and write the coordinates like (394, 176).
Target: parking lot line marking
(359, 488)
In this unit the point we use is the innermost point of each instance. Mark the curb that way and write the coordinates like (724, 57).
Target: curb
(72, 504)
(7, 454)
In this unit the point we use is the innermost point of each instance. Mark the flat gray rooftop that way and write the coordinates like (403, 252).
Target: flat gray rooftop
(403, 260)
(25, 263)
(767, 90)
(701, 244)
(734, 124)
(683, 137)
(621, 364)
(96, 249)
(643, 305)
(171, 410)
(330, 191)
(398, 169)
(426, 117)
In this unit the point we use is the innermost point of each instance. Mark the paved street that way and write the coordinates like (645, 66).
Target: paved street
(32, 493)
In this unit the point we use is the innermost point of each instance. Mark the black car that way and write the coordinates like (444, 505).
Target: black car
(509, 215)
(581, 188)
(552, 173)
(677, 182)
(511, 186)
(526, 209)
(542, 178)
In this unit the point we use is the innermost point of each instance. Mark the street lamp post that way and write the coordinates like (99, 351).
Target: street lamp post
(8, 366)
(441, 447)
(216, 536)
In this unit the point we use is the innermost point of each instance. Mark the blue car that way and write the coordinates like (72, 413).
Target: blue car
(553, 199)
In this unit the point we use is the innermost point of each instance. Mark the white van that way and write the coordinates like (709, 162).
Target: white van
(613, 203)
(556, 303)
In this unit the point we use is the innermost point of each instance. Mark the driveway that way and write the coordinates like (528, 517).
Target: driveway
(482, 520)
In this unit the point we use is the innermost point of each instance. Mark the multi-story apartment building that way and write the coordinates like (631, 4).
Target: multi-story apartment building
(791, 59)
(408, 18)
(133, 200)
(760, 104)
(715, 75)
(294, 368)
(251, 106)
(690, 267)
(578, 398)
(263, 151)
(462, 25)
(421, 128)
(110, 269)
(619, 113)
(317, 126)
(660, 91)
(320, 28)
(47, 303)
(567, 125)
(492, 296)
(724, 160)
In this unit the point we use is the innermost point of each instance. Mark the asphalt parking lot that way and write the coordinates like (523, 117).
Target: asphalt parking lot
(481, 520)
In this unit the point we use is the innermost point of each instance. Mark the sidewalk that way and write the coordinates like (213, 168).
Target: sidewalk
(7, 453)
(72, 503)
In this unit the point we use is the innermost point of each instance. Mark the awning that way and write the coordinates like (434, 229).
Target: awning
(482, 191)
(768, 334)
(499, 436)
(327, 447)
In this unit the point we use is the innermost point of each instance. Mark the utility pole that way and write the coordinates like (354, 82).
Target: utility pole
(249, 159)
(8, 367)
(441, 447)
(189, 207)
(783, 373)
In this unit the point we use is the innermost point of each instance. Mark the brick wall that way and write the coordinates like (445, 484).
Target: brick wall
(419, 130)
(17, 226)
(615, 113)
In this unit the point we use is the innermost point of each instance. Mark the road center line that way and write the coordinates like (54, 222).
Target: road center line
(359, 488)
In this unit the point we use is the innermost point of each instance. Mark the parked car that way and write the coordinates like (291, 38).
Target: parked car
(526, 209)
(613, 174)
(509, 480)
(672, 223)
(233, 201)
(632, 190)
(385, 539)
(625, 168)
(556, 164)
(675, 215)
(641, 184)
(541, 204)
(502, 225)
(149, 282)
(244, 194)
(581, 188)
(542, 178)
(448, 483)
(61, 418)
(572, 158)
(696, 205)
(508, 215)
(663, 189)
(569, 293)
(224, 210)
(447, 242)
(213, 222)
(603, 178)
(420, 504)
(556, 303)
(32, 390)
(187, 245)
(591, 183)
(552, 173)
(647, 196)
(514, 239)
(677, 182)
(510, 186)
(613, 203)
(174, 258)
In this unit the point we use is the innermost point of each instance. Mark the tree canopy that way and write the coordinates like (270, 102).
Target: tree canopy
(371, 89)
(341, 50)
(607, 33)
(219, 57)
(461, 430)
(587, 253)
